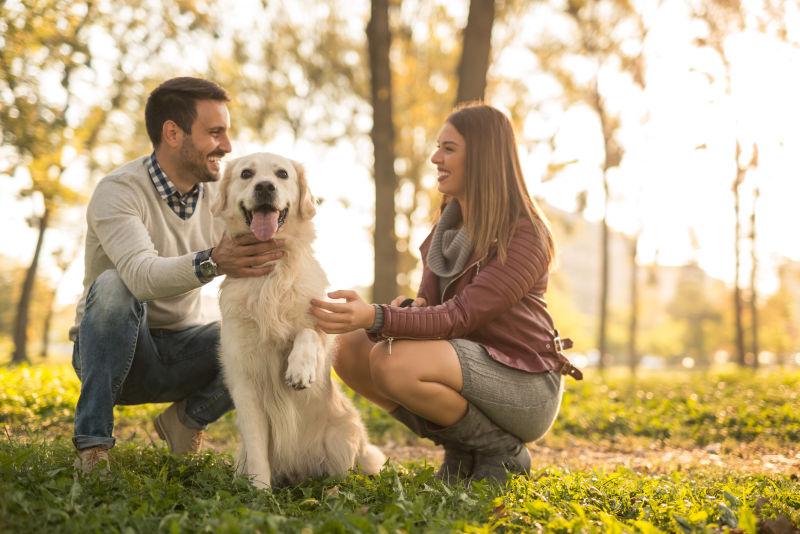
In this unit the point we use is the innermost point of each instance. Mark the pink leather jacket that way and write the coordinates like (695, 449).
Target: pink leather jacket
(499, 305)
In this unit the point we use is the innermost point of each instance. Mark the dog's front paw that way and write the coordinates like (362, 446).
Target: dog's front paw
(300, 375)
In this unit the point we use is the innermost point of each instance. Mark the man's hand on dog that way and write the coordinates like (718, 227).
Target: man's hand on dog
(244, 256)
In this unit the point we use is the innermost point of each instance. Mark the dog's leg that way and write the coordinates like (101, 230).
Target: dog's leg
(254, 460)
(304, 359)
(346, 443)
(369, 459)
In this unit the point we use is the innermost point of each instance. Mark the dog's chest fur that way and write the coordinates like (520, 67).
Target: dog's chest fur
(276, 305)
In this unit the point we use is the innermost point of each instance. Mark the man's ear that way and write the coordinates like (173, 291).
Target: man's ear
(307, 208)
(171, 134)
(221, 202)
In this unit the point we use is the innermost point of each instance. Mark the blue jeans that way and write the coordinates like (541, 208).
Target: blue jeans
(119, 360)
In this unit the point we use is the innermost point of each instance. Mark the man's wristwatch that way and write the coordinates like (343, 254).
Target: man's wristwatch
(208, 267)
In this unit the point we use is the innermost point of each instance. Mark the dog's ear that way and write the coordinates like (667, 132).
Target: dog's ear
(307, 208)
(222, 194)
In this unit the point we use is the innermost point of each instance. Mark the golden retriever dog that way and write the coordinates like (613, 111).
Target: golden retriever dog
(294, 421)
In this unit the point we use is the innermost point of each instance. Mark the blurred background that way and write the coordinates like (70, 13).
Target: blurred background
(659, 136)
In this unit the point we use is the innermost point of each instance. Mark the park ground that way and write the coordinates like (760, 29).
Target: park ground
(669, 452)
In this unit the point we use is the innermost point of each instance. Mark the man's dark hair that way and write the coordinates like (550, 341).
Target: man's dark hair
(175, 100)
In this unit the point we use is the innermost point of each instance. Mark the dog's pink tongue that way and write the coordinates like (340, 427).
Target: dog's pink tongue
(264, 225)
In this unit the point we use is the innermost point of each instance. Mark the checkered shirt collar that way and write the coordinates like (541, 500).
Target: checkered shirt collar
(182, 205)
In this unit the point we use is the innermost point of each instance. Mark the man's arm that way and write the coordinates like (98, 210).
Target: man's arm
(115, 214)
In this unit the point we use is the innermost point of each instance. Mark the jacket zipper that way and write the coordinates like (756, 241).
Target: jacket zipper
(462, 273)
(390, 339)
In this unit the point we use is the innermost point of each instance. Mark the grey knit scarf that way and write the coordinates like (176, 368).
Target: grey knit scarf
(451, 248)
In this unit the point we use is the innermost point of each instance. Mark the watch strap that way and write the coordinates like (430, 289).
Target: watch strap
(201, 257)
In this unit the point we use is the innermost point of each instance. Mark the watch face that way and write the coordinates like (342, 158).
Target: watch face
(207, 268)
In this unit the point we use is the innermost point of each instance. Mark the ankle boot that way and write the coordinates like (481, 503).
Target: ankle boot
(457, 462)
(495, 451)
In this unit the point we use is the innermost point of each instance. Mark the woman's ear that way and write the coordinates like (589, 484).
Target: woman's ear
(307, 208)
(221, 202)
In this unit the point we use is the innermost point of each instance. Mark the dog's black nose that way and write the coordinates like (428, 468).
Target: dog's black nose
(265, 187)
(264, 190)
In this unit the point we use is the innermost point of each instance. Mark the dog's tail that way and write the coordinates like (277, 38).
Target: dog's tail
(369, 459)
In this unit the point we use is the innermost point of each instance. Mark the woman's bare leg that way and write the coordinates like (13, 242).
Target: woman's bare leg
(424, 376)
(351, 362)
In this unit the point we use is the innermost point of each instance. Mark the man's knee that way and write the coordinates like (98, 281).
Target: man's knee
(109, 295)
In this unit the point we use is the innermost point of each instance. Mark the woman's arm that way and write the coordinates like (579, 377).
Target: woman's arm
(495, 289)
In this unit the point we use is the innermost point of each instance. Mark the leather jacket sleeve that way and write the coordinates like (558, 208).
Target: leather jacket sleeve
(495, 289)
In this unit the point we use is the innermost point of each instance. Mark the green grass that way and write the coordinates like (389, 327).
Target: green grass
(152, 491)
(148, 490)
(686, 408)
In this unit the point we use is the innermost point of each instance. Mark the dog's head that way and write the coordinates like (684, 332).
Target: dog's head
(260, 192)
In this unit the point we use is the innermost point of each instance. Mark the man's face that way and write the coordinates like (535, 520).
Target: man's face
(208, 141)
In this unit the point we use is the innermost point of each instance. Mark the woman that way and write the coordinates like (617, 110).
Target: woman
(474, 362)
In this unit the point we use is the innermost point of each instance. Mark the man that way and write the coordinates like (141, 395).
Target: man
(139, 334)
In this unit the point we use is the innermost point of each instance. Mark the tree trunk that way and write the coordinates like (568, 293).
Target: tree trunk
(612, 157)
(475, 52)
(48, 320)
(603, 319)
(737, 289)
(753, 288)
(633, 356)
(379, 39)
(20, 354)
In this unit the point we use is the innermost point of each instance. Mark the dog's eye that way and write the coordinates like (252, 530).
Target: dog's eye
(246, 174)
(281, 173)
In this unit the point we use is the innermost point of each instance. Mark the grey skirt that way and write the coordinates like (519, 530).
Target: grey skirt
(521, 403)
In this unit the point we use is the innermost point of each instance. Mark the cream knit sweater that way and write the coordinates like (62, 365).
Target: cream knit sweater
(130, 228)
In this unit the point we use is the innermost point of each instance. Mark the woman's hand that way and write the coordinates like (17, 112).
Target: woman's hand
(419, 302)
(339, 318)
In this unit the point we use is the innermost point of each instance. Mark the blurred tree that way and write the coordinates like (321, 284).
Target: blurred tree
(304, 77)
(12, 274)
(754, 334)
(738, 302)
(49, 62)
(606, 40)
(379, 39)
(633, 323)
(720, 20)
(475, 51)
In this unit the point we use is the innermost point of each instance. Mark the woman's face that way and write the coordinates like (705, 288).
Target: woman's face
(450, 158)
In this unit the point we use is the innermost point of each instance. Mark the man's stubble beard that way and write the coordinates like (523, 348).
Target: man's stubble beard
(195, 164)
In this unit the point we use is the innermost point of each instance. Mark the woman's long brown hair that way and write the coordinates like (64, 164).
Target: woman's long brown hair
(495, 190)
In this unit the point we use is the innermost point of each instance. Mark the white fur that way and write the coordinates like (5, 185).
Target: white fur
(294, 421)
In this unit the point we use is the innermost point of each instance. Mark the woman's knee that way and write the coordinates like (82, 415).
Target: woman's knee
(391, 375)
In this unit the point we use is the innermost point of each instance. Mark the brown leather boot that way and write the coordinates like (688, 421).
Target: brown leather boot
(180, 438)
(92, 458)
